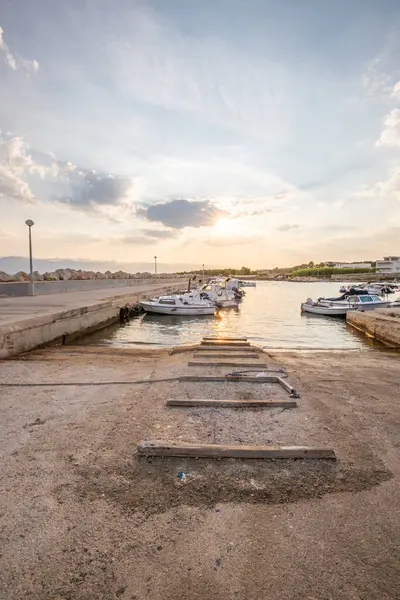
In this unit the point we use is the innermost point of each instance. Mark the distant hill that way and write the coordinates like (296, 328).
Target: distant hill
(13, 264)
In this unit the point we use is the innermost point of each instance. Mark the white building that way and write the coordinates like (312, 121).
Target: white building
(353, 266)
(389, 265)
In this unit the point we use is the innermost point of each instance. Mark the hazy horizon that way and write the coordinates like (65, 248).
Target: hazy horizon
(226, 133)
(13, 264)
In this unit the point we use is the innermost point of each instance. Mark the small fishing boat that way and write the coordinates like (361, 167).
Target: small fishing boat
(247, 283)
(222, 297)
(325, 309)
(179, 305)
(361, 300)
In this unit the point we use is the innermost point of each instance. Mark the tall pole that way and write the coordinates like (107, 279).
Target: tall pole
(155, 266)
(30, 224)
(203, 272)
(30, 256)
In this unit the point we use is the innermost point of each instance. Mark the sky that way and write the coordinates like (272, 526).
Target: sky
(220, 132)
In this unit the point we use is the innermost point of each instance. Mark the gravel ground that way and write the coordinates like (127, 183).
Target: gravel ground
(83, 517)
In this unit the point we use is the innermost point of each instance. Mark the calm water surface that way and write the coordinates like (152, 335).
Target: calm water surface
(269, 316)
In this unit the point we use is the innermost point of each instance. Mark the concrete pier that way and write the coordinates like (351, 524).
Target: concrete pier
(29, 322)
(382, 324)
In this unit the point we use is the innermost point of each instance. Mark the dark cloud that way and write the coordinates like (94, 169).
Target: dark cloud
(182, 213)
(90, 188)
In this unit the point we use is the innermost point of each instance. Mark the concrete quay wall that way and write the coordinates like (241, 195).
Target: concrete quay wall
(17, 289)
(382, 324)
(18, 335)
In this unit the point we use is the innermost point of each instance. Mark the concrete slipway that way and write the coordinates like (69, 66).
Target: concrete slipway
(29, 322)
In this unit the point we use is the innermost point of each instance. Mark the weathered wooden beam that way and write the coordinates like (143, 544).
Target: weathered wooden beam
(182, 449)
(233, 378)
(227, 339)
(290, 389)
(224, 343)
(227, 355)
(227, 363)
(220, 348)
(218, 403)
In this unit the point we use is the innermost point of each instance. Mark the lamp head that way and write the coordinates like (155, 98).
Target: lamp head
(29, 222)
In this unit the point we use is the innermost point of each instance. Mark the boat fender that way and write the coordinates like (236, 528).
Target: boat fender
(219, 293)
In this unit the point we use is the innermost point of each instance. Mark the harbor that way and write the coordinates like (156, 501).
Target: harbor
(199, 300)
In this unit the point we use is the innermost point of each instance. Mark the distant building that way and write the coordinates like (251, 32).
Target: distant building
(353, 266)
(389, 265)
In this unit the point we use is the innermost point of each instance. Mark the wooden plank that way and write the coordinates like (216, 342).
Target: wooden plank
(182, 449)
(233, 354)
(227, 363)
(224, 343)
(217, 348)
(227, 339)
(213, 402)
(227, 355)
(290, 389)
(231, 378)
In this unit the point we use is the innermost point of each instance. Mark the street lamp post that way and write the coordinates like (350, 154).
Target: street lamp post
(203, 272)
(30, 224)
(155, 266)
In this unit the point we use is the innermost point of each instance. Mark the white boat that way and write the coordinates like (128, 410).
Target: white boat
(380, 289)
(222, 297)
(178, 305)
(360, 300)
(377, 289)
(327, 310)
(247, 284)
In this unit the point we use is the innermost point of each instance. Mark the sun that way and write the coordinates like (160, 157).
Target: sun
(223, 225)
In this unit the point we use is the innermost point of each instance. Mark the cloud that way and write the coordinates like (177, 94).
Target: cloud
(390, 135)
(287, 227)
(15, 62)
(198, 73)
(386, 189)
(396, 90)
(375, 80)
(159, 234)
(137, 240)
(14, 164)
(148, 236)
(179, 214)
(105, 194)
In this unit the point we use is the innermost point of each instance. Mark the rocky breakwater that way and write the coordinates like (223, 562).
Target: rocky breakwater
(72, 274)
(382, 324)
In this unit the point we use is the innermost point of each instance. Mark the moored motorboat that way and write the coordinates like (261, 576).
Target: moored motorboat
(178, 305)
(222, 297)
(361, 300)
(325, 309)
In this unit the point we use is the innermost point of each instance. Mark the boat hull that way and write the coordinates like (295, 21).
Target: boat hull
(226, 303)
(363, 306)
(188, 311)
(326, 311)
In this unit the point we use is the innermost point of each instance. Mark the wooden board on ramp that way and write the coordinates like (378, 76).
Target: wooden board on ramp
(183, 449)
